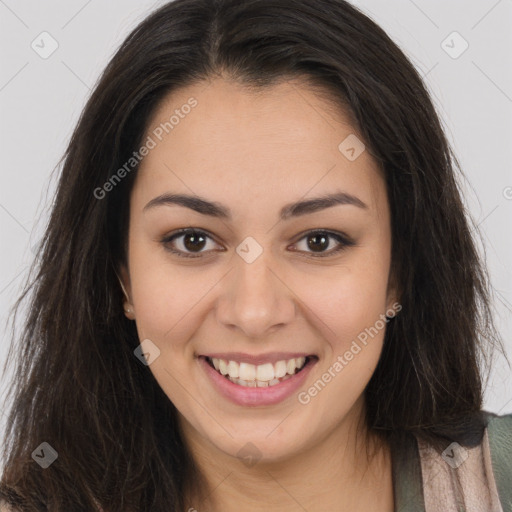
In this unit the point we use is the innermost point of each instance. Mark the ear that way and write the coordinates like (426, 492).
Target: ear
(124, 282)
(394, 294)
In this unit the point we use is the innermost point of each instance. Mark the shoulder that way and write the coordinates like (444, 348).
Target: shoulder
(499, 433)
(477, 475)
(500, 427)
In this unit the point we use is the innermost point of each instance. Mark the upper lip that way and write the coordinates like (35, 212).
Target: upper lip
(271, 357)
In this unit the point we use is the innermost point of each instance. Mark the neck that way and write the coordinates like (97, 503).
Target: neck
(349, 470)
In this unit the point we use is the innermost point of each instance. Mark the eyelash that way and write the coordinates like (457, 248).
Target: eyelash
(342, 239)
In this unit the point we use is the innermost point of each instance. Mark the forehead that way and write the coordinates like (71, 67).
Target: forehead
(217, 137)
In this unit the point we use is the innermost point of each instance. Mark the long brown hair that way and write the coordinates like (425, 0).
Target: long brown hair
(78, 386)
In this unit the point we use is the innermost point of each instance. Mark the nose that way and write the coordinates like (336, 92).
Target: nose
(255, 299)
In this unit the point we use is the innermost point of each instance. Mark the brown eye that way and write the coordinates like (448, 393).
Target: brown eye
(186, 242)
(191, 243)
(317, 243)
(194, 241)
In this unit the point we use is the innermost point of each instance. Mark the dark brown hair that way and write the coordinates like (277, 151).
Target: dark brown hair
(78, 385)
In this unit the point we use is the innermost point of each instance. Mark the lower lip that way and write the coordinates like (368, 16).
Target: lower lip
(247, 396)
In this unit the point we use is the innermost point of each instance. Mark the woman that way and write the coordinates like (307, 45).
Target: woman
(258, 289)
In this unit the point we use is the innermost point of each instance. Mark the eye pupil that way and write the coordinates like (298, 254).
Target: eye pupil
(194, 239)
(319, 239)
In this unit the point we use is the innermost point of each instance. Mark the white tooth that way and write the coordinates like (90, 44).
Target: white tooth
(261, 384)
(273, 382)
(223, 366)
(215, 362)
(280, 369)
(233, 369)
(241, 382)
(290, 366)
(247, 371)
(265, 372)
(299, 361)
(251, 384)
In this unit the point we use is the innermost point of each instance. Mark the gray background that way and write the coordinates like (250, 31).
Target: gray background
(41, 99)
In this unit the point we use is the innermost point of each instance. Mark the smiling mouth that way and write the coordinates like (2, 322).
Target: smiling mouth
(261, 376)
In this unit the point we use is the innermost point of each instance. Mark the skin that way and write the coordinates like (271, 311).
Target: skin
(254, 153)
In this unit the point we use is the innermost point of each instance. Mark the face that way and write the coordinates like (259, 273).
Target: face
(285, 296)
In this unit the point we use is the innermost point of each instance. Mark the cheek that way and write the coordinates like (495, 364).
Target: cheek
(168, 301)
(347, 299)
(352, 314)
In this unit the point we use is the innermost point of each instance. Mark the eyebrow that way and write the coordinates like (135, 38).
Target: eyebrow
(214, 209)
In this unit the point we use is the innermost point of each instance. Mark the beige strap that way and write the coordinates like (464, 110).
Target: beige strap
(459, 479)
